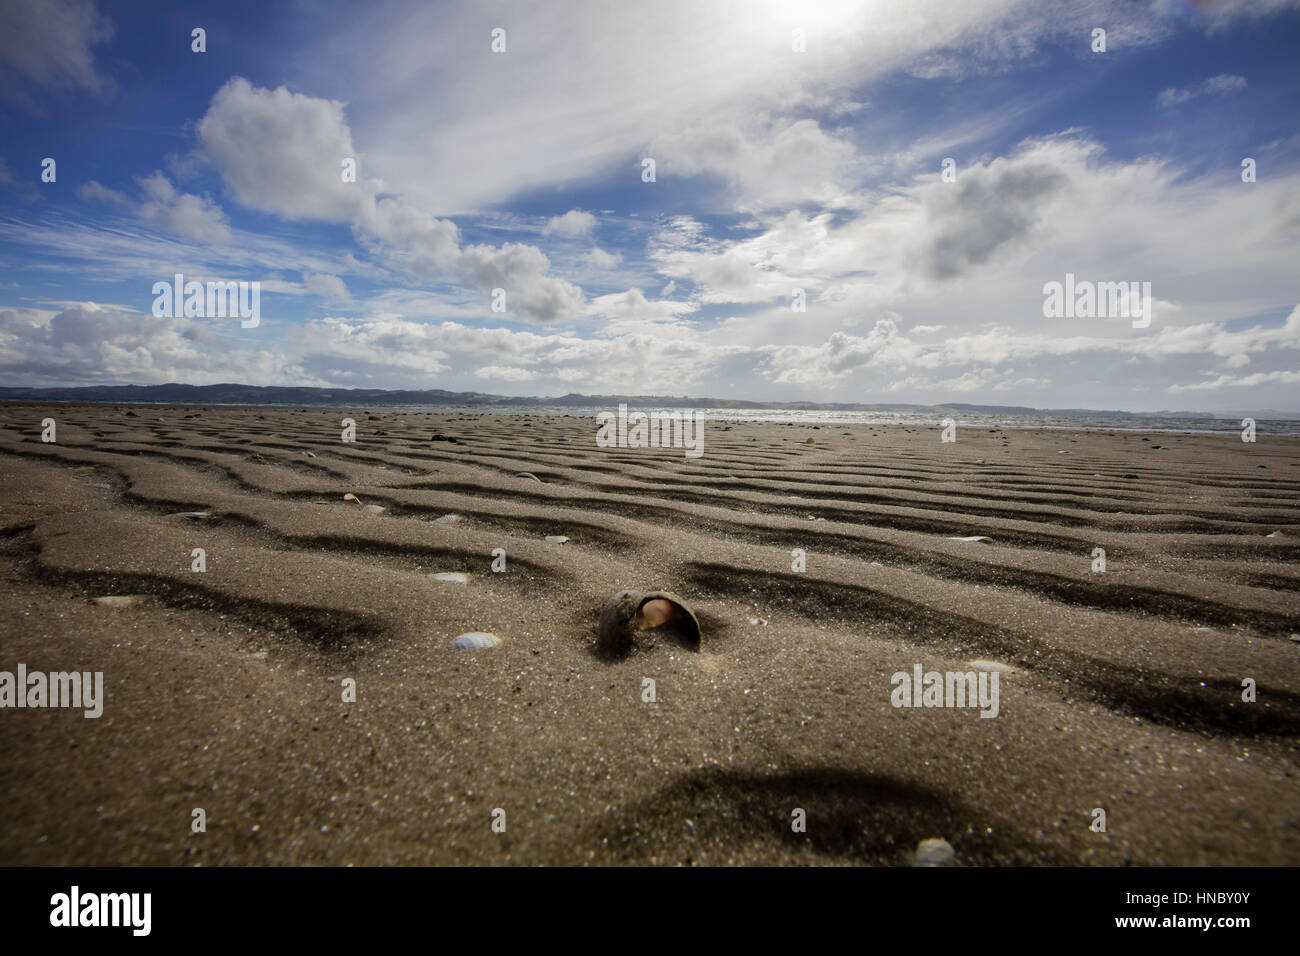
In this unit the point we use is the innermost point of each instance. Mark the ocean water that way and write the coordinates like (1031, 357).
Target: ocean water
(1098, 422)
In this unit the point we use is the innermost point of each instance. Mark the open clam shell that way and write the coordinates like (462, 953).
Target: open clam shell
(631, 616)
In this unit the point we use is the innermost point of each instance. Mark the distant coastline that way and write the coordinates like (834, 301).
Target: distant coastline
(236, 394)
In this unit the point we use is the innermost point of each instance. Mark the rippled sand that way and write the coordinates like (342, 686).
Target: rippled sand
(224, 688)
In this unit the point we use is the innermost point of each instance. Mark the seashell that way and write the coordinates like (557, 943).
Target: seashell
(978, 537)
(195, 515)
(1275, 534)
(935, 852)
(528, 474)
(448, 519)
(998, 666)
(475, 641)
(628, 615)
(454, 577)
(119, 600)
(373, 509)
(811, 441)
(309, 454)
(351, 497)
(556, 538)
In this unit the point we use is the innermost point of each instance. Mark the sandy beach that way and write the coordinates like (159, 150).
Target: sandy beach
(224, 689)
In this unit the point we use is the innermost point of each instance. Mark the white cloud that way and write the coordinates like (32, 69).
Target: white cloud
(90, 344)
(283, 152)
(505, 373)
(533, 118)
(1215, 86)
(1290, 377)
(600, 259)
(94, 191)
(768, 162)
(49, 45)
(572, 225)
(583, 92)
(184, 214)
(297, 174)
(327, 286)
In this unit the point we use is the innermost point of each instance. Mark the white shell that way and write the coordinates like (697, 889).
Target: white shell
(475, 641)
(556, 538)
(119, 600)
(447, 519)
(935, 853)
(454, 577)
(976, 537)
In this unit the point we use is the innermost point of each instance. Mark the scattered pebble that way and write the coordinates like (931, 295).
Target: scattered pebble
(119, 600)
(196, 515)
(475, 641)
(935, 852)
(454, 577)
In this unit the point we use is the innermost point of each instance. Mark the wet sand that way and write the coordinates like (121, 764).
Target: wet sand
(224, 689)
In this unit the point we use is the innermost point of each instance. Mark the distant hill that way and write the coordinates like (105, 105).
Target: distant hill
(235, 394)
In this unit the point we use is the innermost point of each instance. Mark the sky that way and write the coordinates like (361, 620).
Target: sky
(460, 196)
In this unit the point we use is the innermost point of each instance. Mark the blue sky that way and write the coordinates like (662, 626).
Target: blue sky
(777, 169)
